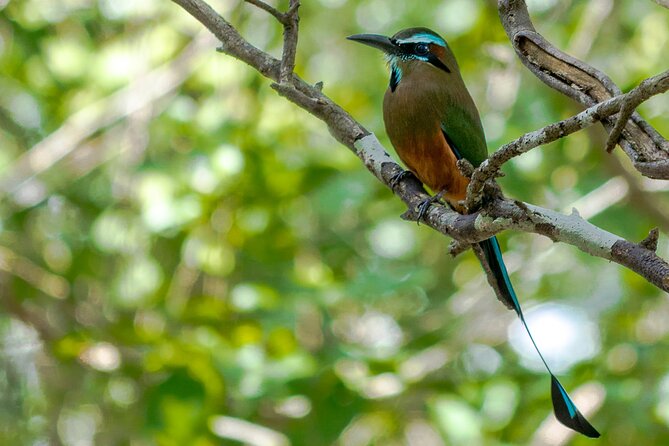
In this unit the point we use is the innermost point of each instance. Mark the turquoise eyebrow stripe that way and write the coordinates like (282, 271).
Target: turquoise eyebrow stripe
(423, 37)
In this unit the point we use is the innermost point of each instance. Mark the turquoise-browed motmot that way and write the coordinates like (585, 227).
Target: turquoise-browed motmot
(432, 122)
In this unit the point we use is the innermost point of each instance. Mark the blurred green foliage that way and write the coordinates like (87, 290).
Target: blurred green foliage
(195, 261)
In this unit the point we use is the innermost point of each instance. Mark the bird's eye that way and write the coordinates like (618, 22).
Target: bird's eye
(422, 49)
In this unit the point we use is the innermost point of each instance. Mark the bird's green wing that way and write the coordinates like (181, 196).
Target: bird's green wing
(464, 132)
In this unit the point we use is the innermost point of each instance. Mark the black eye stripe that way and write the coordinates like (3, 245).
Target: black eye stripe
(417, 51)
(420, 50)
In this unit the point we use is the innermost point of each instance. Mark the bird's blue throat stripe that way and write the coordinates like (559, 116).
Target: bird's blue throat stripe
(395, 75)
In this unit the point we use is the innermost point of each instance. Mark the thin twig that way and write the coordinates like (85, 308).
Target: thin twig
(626, 112)
(650, 242)
(456, 247)
(632, 101)
(269, 9)
(290, 21)
(290, 35)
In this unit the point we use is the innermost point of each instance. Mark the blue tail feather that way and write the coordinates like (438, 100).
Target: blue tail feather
(564, 408)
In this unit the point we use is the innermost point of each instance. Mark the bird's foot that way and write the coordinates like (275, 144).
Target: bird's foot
(399, 177)
(425, 205)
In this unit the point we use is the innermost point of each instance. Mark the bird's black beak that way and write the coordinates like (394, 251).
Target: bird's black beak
(377, 41)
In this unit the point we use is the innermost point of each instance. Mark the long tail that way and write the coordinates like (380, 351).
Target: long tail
(565, 410)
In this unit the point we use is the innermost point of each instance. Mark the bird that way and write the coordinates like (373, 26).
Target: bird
(432, 122)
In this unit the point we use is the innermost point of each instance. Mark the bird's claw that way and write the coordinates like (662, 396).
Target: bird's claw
(424, 205)
(422, 209)
(399, 177)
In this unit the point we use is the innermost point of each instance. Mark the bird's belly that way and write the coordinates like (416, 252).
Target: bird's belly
(434, 163)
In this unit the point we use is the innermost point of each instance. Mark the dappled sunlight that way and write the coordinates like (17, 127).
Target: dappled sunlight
(104, 357)
(377, 332)
(249, 433)
(458, 421)
(564, 334)
(392, 239)
(481, 360)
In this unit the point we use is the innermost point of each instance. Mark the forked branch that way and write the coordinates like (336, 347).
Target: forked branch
(645, 147)
(290, 21)
(625, 103)
(643, 92)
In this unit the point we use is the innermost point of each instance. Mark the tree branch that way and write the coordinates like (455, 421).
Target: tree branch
(290, 34)
(269, 9)
(290, 21)
(491, 167)
(643, 92)
(498, 215)
(647, 149)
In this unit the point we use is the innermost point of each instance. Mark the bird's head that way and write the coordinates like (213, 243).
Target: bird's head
(408, 48)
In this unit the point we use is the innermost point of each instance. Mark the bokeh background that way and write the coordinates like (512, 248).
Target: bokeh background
(188, 259)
